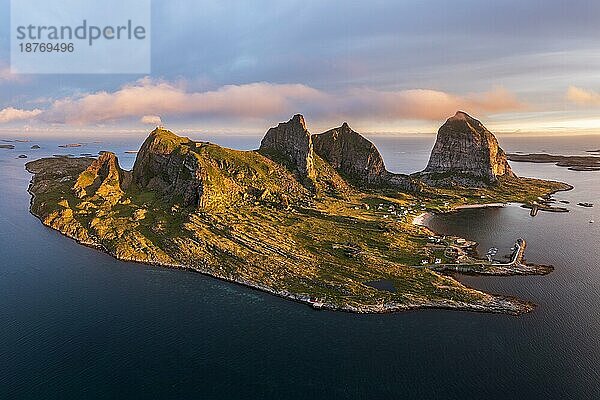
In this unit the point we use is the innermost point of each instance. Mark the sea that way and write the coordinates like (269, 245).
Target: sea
(77, 324)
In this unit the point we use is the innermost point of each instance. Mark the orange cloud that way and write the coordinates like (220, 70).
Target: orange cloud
(582, 96)
(424, 104)
(13, 114)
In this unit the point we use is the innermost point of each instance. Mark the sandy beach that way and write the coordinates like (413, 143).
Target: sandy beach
(422, 218)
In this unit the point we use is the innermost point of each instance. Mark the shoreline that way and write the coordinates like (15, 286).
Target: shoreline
(496, 270)
(498, 304)
(421, 219)
(475, 206)
(501, 304)
(483, 302)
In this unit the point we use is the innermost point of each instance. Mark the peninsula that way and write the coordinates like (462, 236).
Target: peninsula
(313, 218)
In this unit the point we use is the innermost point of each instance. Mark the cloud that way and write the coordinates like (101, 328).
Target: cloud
(13, 114)
(424, 104)
(148, 97)
(582, 96)
(151, 120)
(148, 100)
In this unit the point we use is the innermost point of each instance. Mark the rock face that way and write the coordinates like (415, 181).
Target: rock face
(293, 143)
(163, 165)
(104, 179)
(468, 151)
(208, 176)
(357, 158)
(351, 154)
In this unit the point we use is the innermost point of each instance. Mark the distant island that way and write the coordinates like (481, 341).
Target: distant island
(313, 218)
(574, 163)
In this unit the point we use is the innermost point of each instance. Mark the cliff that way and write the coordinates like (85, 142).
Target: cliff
(357, 159)
(210, 177)
(351, 154)
(104, 179)
(291, 143)
(465, 152)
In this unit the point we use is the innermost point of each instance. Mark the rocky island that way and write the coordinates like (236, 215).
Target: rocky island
(313, 218)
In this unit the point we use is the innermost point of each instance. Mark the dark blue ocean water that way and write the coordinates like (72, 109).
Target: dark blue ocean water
(77, 324)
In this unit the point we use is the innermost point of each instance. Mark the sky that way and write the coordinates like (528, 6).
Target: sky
(393, 67)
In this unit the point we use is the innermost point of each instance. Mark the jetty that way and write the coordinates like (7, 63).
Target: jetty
(516, 265)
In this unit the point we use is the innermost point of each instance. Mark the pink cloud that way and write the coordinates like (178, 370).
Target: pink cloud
(147, 97)
(13, 114)
(151, 120)
(583, 96)
(148, 100)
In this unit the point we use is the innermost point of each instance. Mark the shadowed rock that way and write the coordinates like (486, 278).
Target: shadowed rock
(291, 143)
(357, 158)
(351, 154)
(165, 166)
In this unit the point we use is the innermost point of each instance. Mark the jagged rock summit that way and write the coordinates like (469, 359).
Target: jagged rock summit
(103, 179)
(351, 154)
(467, 153)
(291, 142)
(208, 176)
(164, 164)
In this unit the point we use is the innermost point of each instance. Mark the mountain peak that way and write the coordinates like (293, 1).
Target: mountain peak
(298, 119)
(466, 149)
(350, 153)
(104, 178)
(293, 143)
(461, 115)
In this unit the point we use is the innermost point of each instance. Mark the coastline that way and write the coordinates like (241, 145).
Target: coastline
(497, 304)
(485, 205)
(501, 304)
(421, 219)
(475, 300)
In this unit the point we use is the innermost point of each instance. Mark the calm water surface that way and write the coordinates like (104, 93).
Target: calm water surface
(75, 323)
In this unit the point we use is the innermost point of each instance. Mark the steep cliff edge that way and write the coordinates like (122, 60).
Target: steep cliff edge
(291, 143)
(103, 179)
(465, 153)
(357, 159)
(210, 177)
(351, 154)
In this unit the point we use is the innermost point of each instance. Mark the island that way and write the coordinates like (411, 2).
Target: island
(574, 163)
(315, 218)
